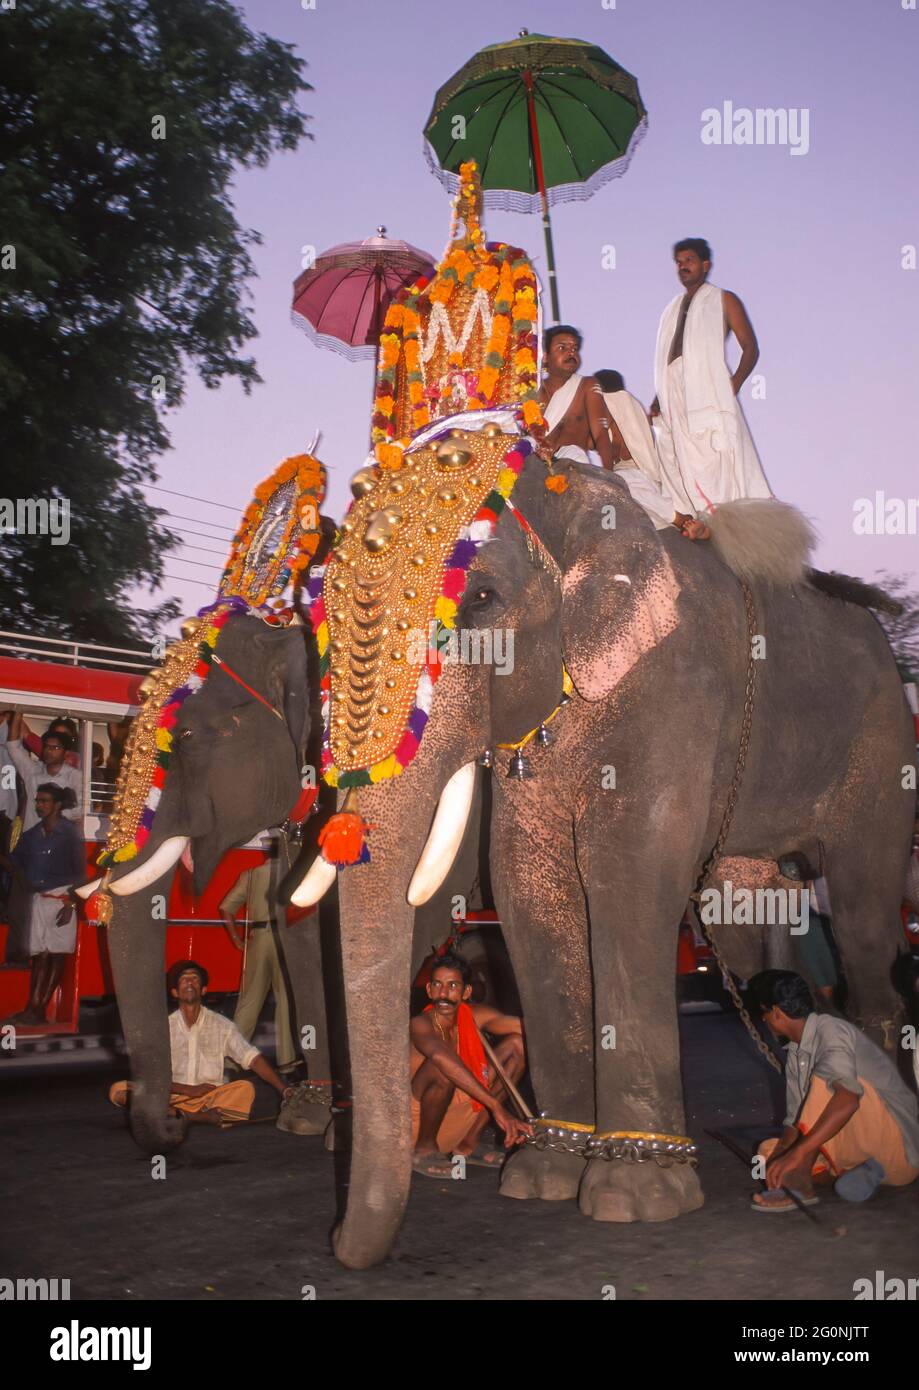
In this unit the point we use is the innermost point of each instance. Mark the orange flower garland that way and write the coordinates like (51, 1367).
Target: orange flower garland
(496, 268)
(310, 480)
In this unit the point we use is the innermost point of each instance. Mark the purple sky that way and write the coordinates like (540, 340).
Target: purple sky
(811, 243)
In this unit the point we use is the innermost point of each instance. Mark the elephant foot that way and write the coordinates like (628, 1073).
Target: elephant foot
(303, 1119)
(616, 1190)
(157, 1134)
(543, 1173)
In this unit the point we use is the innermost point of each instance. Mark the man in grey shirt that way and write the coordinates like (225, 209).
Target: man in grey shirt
(849, 1117)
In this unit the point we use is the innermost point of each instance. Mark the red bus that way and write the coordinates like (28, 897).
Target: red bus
(97, 687)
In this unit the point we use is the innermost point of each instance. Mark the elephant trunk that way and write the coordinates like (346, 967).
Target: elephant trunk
(376, 945)
(136, 945)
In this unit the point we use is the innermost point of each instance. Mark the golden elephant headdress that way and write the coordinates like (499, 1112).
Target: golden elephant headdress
(456, 399)
(270, 555)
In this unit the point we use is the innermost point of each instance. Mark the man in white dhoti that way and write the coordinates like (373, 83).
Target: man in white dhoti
(577, 420)
(706, 452)
(636, 454)
(48, 861)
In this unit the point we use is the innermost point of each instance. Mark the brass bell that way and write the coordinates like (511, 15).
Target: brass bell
(543, 737)
(364, 481)
(518, 769)
(450, 455)
(189, 627)
(487, 759)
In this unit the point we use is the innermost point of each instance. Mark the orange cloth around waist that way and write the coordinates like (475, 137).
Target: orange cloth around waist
(234, 1098)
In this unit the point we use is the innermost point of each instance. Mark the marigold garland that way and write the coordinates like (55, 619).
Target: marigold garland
(492, 266)
(301, 536)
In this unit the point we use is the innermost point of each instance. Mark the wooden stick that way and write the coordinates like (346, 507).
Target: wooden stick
(525, 1112)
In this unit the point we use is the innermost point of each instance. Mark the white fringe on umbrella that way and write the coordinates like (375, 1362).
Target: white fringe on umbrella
(514, 200)
(361, 352)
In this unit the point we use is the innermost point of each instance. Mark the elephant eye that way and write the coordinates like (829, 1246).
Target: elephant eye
(481, 595)
(186, 733)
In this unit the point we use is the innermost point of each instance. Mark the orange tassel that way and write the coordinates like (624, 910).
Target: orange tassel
(341, 839)
(557, 482)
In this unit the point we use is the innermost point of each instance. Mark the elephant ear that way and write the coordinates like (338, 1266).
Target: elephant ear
(619, 588)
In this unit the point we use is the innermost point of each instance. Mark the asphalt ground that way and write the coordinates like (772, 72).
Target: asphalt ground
(246, 1213)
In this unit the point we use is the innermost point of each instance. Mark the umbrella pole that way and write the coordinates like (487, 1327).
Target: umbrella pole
(375, 331)
(541, 184)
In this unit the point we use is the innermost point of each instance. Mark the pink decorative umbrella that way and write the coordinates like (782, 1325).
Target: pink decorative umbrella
(341, 301)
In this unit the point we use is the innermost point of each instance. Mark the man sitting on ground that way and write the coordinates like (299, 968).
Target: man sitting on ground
(848, 1117)
(200, 1040)
(454, 1090)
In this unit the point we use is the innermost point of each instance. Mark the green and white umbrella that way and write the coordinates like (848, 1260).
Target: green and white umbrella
(547, 121)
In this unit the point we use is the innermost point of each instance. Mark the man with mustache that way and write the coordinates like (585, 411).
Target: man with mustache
(578, 419)
(455, 1091)
(706, 451)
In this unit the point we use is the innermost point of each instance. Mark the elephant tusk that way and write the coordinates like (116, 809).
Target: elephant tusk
(315, 883)
(167, 854)
(88, 889)
(444, 837)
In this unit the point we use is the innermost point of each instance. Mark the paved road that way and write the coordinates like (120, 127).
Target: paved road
(246, 1213)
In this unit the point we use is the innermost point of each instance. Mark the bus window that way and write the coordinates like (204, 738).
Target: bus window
(108, 740)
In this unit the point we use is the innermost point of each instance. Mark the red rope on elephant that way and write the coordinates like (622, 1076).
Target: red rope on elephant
(219, 661)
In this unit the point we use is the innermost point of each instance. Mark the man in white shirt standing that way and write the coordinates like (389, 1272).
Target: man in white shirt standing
(706, 451)
(200, 1040)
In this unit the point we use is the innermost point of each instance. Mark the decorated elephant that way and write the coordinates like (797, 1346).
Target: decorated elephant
(595, 853)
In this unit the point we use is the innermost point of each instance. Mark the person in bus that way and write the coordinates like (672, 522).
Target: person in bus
(51, 767)
(67, 728)
(48, 861)
(200, 1041)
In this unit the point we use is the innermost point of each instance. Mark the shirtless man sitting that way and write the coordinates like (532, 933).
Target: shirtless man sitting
(577, 419)
(454, 1090)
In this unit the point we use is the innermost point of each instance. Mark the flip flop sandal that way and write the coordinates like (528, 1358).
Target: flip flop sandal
(433, 1165)
(484, 1157)
(781, 1204)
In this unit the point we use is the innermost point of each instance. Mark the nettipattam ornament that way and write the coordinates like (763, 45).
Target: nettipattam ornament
(270, 554)
(456, 403)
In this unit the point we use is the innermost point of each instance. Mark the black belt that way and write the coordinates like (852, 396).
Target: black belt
(254, 925)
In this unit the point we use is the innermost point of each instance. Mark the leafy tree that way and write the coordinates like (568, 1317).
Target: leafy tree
(903, 629)
(122, 268)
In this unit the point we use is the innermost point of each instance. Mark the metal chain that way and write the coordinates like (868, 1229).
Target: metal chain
(718, 847)
(583, 1144)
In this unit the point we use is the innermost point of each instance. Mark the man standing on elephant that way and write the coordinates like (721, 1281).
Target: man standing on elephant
(706, 451)
(200, 1040)
(849, 1117)
(454, 1092)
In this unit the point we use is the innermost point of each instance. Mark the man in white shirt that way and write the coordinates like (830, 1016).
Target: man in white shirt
(51, 767)
(200, 1040)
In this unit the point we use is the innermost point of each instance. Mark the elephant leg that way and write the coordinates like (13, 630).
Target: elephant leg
(541, 904)
(636, 898)
(865, 894)
(136, 946)
(301, 946)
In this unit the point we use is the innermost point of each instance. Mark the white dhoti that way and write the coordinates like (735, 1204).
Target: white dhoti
(704, 445)
(641, 489)
(44, 932)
